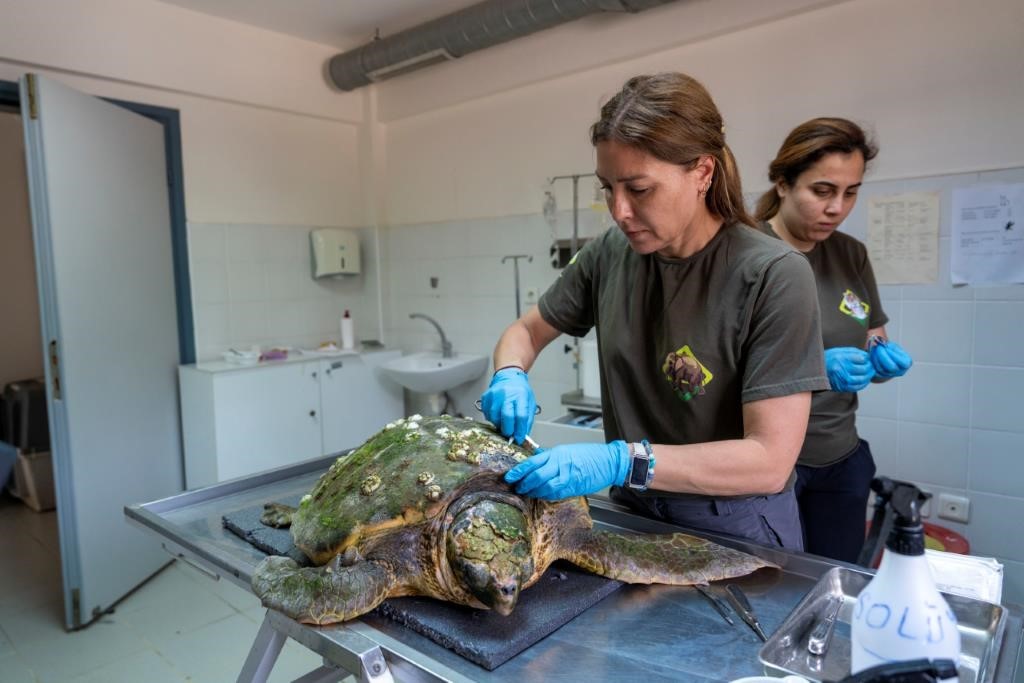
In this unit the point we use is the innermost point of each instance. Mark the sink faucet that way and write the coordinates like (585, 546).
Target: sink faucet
(446, 346)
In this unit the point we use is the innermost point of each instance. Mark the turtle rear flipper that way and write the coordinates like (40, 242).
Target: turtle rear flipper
(678, 559)
(277, 515)
(322, 595)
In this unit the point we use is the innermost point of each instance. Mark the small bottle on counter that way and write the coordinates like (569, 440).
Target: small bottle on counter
(348, 335)
(900, 615)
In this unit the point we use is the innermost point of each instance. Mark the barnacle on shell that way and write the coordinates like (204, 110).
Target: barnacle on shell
(369, 485)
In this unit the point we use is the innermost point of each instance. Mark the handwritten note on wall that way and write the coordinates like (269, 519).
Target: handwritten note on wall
(988, 235)
(903, 238)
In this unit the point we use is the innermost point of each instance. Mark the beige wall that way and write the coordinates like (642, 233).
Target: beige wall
(939, 81)
(265, 139)
(21, 353)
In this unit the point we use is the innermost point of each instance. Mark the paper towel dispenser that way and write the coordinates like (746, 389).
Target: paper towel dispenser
(334, 252)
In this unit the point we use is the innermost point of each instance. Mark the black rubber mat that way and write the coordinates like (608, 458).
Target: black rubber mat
(481, 636)
(247, 525)
(489, 639)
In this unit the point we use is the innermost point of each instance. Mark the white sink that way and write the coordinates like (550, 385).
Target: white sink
(429, 373)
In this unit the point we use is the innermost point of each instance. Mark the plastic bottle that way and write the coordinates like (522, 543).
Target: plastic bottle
(900, 615)
(348, 335)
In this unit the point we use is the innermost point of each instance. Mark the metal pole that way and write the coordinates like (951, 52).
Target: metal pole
(515, 270)
(573, 248)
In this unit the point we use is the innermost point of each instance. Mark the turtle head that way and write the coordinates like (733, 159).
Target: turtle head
(491, 553)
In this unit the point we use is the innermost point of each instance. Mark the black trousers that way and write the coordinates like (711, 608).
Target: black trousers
(833, 504)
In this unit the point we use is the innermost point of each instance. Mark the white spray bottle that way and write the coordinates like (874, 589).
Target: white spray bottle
(900, 615)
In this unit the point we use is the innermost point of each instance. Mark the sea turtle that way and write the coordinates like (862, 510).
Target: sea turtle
(421, 508)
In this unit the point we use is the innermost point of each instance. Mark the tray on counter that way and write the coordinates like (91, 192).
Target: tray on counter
(981, 626)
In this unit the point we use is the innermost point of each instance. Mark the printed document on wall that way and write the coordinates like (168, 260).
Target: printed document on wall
(988, 235)
(903, 238)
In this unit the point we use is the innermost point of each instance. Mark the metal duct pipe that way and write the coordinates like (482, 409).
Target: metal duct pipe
(474, 28)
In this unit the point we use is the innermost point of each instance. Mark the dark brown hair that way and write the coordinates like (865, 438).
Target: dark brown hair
(672, 117)
(803, 147)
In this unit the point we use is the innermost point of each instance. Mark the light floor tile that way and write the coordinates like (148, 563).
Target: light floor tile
(213, 653)
(6, 648)
(13, 670)
(236, 596)
(170, 617)
(27, 626)
(147, 665)
(61, 657)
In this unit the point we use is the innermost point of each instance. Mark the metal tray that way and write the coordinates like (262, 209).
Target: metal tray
(981, 626)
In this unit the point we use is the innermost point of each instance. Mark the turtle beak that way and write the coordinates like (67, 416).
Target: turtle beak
(506, 595)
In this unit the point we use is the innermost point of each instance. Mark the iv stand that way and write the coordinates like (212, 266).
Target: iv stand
(515, 270)
(573, 248)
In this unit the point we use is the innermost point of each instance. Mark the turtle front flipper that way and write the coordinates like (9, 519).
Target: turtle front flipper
(678, 559)
(322, 595)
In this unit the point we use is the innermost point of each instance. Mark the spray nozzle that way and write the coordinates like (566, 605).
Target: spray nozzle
(906, 502)
(898, 510)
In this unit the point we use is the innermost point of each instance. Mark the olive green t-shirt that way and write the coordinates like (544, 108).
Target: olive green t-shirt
(850, 306)
(684, 343)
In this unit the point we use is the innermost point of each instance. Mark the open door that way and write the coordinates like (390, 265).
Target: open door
(100, 220)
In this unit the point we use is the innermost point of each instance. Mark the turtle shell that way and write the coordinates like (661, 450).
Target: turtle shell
(402, 475)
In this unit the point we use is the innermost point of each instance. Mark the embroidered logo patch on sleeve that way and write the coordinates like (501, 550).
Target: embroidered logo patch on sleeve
(852, 306)
(685, 373)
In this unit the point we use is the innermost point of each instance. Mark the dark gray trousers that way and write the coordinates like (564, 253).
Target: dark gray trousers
(767, 520)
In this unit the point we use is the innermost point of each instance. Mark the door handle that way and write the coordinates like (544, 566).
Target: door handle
(55, 369)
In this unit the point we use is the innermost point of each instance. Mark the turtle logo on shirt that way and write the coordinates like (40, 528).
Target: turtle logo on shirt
(685, 373)
(852, 306)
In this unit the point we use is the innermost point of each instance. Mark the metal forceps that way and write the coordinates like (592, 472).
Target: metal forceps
(479, 406)
(533, 445)
(744, 610)
(716, 602)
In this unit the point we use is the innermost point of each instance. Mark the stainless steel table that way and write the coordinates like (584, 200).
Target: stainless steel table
(649, 633)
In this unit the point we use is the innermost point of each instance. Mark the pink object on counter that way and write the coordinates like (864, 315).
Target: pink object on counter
(273, 354)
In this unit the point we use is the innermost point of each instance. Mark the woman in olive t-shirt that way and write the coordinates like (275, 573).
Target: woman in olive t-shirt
(817, 174)
(708, 333)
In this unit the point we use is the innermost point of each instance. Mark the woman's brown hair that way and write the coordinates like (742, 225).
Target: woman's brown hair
(803, 147)
(672, 117)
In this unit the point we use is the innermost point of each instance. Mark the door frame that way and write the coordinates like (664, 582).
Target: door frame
(171, 121)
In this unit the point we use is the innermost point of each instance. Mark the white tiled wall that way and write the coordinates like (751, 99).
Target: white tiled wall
(953, 424)
(252, 284)
(474, 300)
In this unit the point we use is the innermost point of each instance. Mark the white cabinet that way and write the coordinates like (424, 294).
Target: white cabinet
(356, 399)
(240, 420)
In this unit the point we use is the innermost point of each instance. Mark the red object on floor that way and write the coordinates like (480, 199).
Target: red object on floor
(938, 538)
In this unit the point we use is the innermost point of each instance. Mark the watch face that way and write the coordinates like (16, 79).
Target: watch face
(638, 475)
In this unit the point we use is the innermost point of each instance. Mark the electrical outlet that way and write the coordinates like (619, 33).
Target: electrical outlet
(531, 295)
(926, 508)
(955, 508)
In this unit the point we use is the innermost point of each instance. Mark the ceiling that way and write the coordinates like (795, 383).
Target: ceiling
(344, 24)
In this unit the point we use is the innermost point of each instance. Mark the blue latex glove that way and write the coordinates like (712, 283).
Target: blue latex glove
(890, 360)
(509, 403)
(848, 368)
(571, 470)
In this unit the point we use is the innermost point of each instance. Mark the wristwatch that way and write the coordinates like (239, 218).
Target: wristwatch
(641, 469)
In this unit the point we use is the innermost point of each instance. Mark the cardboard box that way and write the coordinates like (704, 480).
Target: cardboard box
(33, 480)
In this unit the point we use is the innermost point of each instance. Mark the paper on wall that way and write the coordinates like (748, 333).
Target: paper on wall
(903, 238)
(988, 235)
